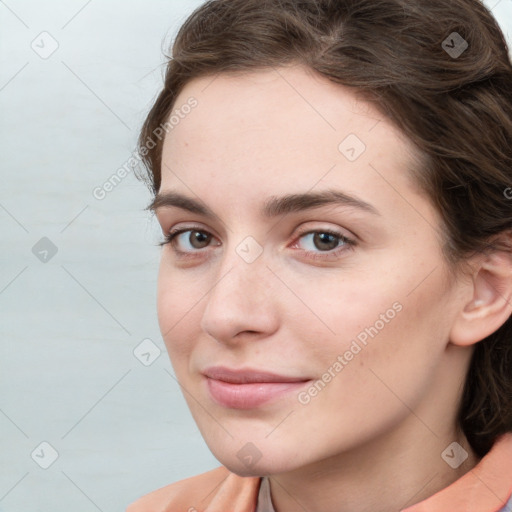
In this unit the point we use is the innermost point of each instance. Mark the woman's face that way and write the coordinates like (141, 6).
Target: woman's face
(350, 298)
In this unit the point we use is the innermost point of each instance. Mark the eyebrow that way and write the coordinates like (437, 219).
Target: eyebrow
(273, 206)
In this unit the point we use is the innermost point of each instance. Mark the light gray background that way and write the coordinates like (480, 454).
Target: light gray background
(69, 326)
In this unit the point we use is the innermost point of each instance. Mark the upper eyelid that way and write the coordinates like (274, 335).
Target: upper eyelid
(166, 214)
(301, 233)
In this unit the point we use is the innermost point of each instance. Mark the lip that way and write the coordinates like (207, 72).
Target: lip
(248, 388)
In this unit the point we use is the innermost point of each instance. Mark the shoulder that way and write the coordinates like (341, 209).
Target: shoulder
(214, 489)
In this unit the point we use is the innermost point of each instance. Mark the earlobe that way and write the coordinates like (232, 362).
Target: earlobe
(491, 302)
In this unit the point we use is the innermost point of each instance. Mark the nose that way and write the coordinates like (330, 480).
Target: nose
(241, 302)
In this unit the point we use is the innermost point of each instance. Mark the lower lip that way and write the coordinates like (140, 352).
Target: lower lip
(248, 396)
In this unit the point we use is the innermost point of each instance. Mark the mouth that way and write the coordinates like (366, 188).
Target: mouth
(248, 388)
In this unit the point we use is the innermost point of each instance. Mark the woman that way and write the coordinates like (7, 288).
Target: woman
(332, 180)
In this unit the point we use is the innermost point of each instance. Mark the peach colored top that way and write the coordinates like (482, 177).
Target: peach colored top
(485, 488)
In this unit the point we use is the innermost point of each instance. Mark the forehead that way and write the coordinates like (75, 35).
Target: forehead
(282, 130)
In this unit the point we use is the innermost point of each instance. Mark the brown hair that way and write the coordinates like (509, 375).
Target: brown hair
(409, 58)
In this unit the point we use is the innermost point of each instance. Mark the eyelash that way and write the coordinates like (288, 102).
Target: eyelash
(348, 243)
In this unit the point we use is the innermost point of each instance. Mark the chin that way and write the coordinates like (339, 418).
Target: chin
(263, 466)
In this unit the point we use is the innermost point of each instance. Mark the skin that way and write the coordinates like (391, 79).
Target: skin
(372, 438)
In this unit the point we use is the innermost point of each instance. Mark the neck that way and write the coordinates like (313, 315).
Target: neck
(395, 468)
(386, 475)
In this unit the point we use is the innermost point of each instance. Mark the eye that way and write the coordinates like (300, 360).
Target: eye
(195, 238)
(190, 242)
(329, 243)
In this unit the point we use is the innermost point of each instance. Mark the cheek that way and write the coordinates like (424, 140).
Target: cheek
(390, 345)
(341, 305)
(376, 317)
(176, 306)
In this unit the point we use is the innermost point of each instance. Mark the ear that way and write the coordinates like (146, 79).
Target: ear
(490, 304)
